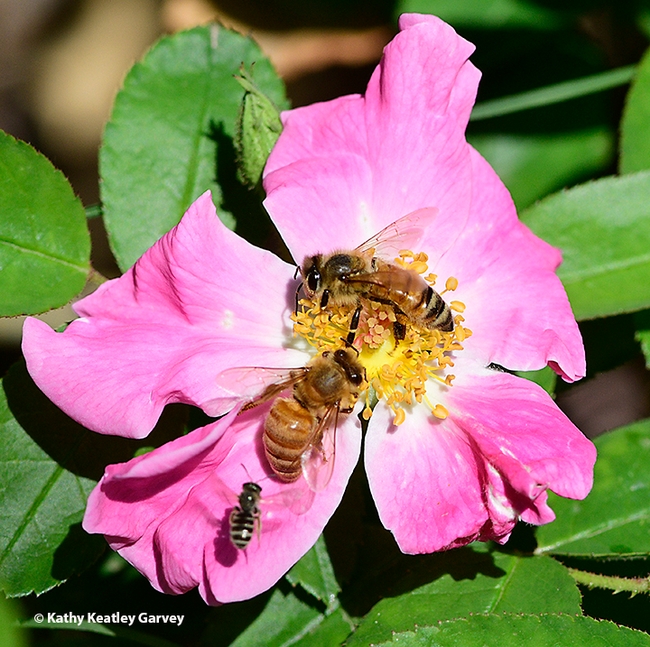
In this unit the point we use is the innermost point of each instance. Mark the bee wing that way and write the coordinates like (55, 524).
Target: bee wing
(404, 233)
(318, 459)
(256, 384)
(381, 278)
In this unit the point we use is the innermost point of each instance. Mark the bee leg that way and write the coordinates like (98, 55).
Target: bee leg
(297, 296)
(399, 326)
(354, 325)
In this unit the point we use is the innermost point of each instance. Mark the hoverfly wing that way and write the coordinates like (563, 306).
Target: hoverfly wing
(318, 459)
(404, 233)
(256, 384)
(298, 499)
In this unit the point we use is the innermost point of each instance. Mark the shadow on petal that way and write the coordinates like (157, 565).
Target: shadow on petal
(224, 552)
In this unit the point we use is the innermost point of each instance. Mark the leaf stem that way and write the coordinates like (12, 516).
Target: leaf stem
(94, 280)
(552, 94)
(614, 583)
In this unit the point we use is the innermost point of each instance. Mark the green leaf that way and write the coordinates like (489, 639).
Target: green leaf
(635, 133)
(546, 378)
(287, 620)
(49, 465)
(553, 94)
(615, 517)
(114, 631)
(515, 631)
(44, 239)
(314, 572)
(41, 502)
(485, 13)
(532, 166)
(602, 229)
(501, 583)
(170, 135)
(330, 631)
(12, 635)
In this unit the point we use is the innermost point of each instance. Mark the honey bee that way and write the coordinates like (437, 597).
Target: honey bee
(345, 278)
(300, 431)
(245, 517)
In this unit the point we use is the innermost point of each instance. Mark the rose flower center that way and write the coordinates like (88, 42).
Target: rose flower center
(398, 370)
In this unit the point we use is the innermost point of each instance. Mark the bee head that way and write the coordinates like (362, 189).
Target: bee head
(347, 360)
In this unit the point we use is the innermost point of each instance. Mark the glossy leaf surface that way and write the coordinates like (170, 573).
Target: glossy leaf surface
(603, 229)
(514, 631)
(170, 135)
(635, 134)
(501, 583)
(44, 239)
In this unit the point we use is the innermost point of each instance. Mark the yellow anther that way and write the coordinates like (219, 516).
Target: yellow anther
(400, 417)
(419, 267)
(440, 412)
(451, 284)
(457, 306)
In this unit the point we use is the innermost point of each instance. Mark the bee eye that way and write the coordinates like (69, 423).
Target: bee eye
(313, 280)
(355, 378)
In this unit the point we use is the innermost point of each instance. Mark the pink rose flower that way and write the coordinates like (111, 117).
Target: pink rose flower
(460, 457)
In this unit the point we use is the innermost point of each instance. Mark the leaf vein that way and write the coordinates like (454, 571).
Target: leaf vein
(597, 530)
(39, 253)
(591, 272)
(32, 511)
(501, 589)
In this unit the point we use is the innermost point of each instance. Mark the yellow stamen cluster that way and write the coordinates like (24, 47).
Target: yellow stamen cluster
(397, 371)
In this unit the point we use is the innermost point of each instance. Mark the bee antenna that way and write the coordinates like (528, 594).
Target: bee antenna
(250, 478)
(349, 344)
(298, 271)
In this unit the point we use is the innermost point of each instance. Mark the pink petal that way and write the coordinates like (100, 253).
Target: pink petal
(189, 308)
(516, 306)
(439, 484)
(344, 169)
(425, 480)
(168, 512)
(523, 434)
(285, 535)
(159, 479)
